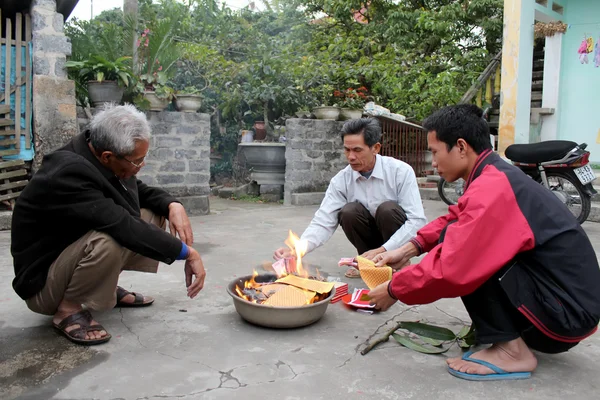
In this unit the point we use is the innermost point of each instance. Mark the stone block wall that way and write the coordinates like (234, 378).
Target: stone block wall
(54, 107)
(314, 154)
(179, 157)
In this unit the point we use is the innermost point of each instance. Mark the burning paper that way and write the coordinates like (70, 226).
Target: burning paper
(307, 284)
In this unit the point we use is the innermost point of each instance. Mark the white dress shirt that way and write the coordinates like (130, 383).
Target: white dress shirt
(391, 179)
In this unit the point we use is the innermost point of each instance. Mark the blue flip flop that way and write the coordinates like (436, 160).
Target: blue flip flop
(499, 374)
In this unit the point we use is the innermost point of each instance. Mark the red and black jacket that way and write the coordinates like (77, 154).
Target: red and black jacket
(506, 220)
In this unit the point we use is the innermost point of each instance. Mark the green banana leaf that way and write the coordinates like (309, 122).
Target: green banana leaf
(405, 341)
(430, 331)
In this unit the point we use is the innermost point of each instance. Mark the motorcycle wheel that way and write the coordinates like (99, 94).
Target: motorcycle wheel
(450, 192)
(569, 190)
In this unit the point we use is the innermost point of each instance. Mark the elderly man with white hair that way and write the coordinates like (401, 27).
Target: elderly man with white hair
(85, 217)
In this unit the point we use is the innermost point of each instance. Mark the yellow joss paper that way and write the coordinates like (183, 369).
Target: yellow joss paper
(289, 296)
(372, 275)
(308, 284)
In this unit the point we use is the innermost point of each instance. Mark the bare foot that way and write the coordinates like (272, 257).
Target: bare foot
(513, 356)
(66, 309)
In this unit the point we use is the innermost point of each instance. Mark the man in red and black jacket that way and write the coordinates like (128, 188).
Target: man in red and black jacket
(523, 266)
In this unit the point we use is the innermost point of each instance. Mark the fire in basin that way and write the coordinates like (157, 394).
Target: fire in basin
(288, 298)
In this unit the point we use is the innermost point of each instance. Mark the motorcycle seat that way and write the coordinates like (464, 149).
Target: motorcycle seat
(536, 153)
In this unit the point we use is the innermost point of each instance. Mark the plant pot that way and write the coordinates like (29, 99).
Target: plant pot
(247, 136)
(261, 132)
(104, 92)
(156, 104)
(327, 112)
(350, 113)
(188, 102)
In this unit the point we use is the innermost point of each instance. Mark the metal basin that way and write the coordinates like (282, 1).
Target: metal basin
(267, 161)
(276, 317)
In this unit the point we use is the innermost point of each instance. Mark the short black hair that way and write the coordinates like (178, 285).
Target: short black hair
(461, 121)
(369, 127)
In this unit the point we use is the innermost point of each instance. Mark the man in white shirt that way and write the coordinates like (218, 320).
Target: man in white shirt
(375, 199)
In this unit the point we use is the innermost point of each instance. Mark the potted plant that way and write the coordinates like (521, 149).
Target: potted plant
(105, 80)
(156, 54)
(352, 102)
(328, 108)
(188, 99)
(156, 94)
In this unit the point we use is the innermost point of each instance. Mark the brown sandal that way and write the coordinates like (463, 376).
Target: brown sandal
(83, 319)
(138, 302)
(352, 273)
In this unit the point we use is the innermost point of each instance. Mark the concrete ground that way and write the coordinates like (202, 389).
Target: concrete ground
(201, 349)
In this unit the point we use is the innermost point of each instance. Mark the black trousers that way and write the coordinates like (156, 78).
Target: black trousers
(368, 233)
(496, 319)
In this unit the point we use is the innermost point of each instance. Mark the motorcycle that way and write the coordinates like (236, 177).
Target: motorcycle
(561, 166)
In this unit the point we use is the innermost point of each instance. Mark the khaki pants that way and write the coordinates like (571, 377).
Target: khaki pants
(88, 270)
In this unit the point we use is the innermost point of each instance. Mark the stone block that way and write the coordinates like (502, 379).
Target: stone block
(167, 141)
(5, 220)
(226, 192)
(189, 129)
(302, 144)
(215, 190)
(323, 145)
(173, 166)
(44, 4)
(199, 165)
(196, 179)
(301, 165)
(169, 179)
(59, 67)
(58, 23)
(161, 154)
(333, 156)
(41, 66)
(313, 154)
(38, 20)
(172, 117)
(202, 118)
(201, 141)
(253, 189)
(182, 154)
(196, 205)
(147, 179)
(162, 128)
(271, 198)
(307, 199)
(271, 189)
(51, 44)
(54, 115)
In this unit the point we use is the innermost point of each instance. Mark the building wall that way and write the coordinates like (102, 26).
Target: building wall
(179, 157)
(579, 101)
(313, 155)
(54, 107)
(517, 63)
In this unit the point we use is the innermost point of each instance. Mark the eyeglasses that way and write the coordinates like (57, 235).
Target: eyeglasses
(137, 165)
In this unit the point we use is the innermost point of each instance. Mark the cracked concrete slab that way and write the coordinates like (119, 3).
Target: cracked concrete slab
(201, 349)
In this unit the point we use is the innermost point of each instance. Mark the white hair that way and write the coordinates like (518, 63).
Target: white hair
(118, 128)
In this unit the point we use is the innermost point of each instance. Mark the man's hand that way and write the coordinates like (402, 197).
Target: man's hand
(194, 268)
(397, 259)
(282, 252)
(370, 255)
(179, 223)
(380, 297)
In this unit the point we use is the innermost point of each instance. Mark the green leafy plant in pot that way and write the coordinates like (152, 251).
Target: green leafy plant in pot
(104, 80)
(188, 99)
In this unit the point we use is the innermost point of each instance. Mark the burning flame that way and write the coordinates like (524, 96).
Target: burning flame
(298, 248)
(250, 284)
